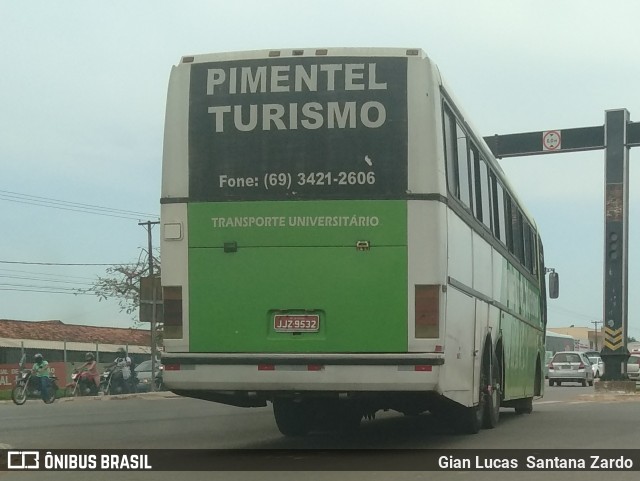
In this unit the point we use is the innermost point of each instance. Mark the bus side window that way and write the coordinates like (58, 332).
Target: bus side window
(528, 247)
(516, 229)
(476, 198)
(534, 253)
(462, 150)
(485, 193)
(450, 151)
(508, 222)
(499, 214)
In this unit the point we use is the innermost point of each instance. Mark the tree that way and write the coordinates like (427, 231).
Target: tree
(122, 282)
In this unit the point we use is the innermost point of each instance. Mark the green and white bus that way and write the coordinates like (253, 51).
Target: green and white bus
(337, 240)
(555, 342)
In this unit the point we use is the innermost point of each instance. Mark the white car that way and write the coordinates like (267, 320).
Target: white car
(597, 364)
(633, 367)
(143, 373)
(570, 366)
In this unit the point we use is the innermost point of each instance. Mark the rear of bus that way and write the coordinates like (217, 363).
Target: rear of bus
(303, 232)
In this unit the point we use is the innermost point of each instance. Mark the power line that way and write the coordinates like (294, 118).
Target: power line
(58, 288)
(37, 289)
(67, 263)
(58, 281)
(71, 206)
(566, 311)
(64, 276)
(75, 204)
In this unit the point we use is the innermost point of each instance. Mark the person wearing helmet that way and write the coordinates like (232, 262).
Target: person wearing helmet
(89, 370)
(41, 370)
(123, 368)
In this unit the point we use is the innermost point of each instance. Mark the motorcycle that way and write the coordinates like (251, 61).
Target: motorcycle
(28, 386)
(81, 386)
(112, 382)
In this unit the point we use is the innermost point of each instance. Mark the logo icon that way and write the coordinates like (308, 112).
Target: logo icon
(23, 460)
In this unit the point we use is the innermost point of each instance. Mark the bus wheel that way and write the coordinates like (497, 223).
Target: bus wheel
(293, 418)
(491, 393)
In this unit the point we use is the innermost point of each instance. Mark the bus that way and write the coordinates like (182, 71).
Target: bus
(555, 342)
(337, 240)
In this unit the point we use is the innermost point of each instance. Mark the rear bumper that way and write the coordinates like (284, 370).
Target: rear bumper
(570, 375)
(634, 376)
(301, 372)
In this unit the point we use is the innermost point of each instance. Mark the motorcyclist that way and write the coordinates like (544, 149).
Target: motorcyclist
(122, 371)
(41, 370)
(89, 370)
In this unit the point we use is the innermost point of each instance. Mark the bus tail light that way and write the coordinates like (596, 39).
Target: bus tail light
(427, 307)
(423, 368)
(172, 306)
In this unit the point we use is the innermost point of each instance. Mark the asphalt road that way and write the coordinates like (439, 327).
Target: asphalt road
(567, 417)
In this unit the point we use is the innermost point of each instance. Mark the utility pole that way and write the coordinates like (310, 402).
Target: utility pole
(148, 226)
(595, 327)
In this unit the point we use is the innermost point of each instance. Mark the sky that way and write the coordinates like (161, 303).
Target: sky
(82, 100)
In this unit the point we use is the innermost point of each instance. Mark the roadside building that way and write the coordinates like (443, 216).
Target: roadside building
(65, 345)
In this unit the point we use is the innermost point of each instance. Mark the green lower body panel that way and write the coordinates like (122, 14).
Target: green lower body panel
(357, 299)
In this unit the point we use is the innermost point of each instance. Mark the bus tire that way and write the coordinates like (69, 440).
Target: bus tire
(492, 394)
(293, 418)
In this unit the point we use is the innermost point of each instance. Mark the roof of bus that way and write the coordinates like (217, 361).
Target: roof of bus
(555, 334)
(304, 52)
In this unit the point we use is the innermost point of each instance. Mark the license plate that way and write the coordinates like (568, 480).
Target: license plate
(296, 323)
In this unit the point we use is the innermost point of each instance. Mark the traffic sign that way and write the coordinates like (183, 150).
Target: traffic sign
(551, 140)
